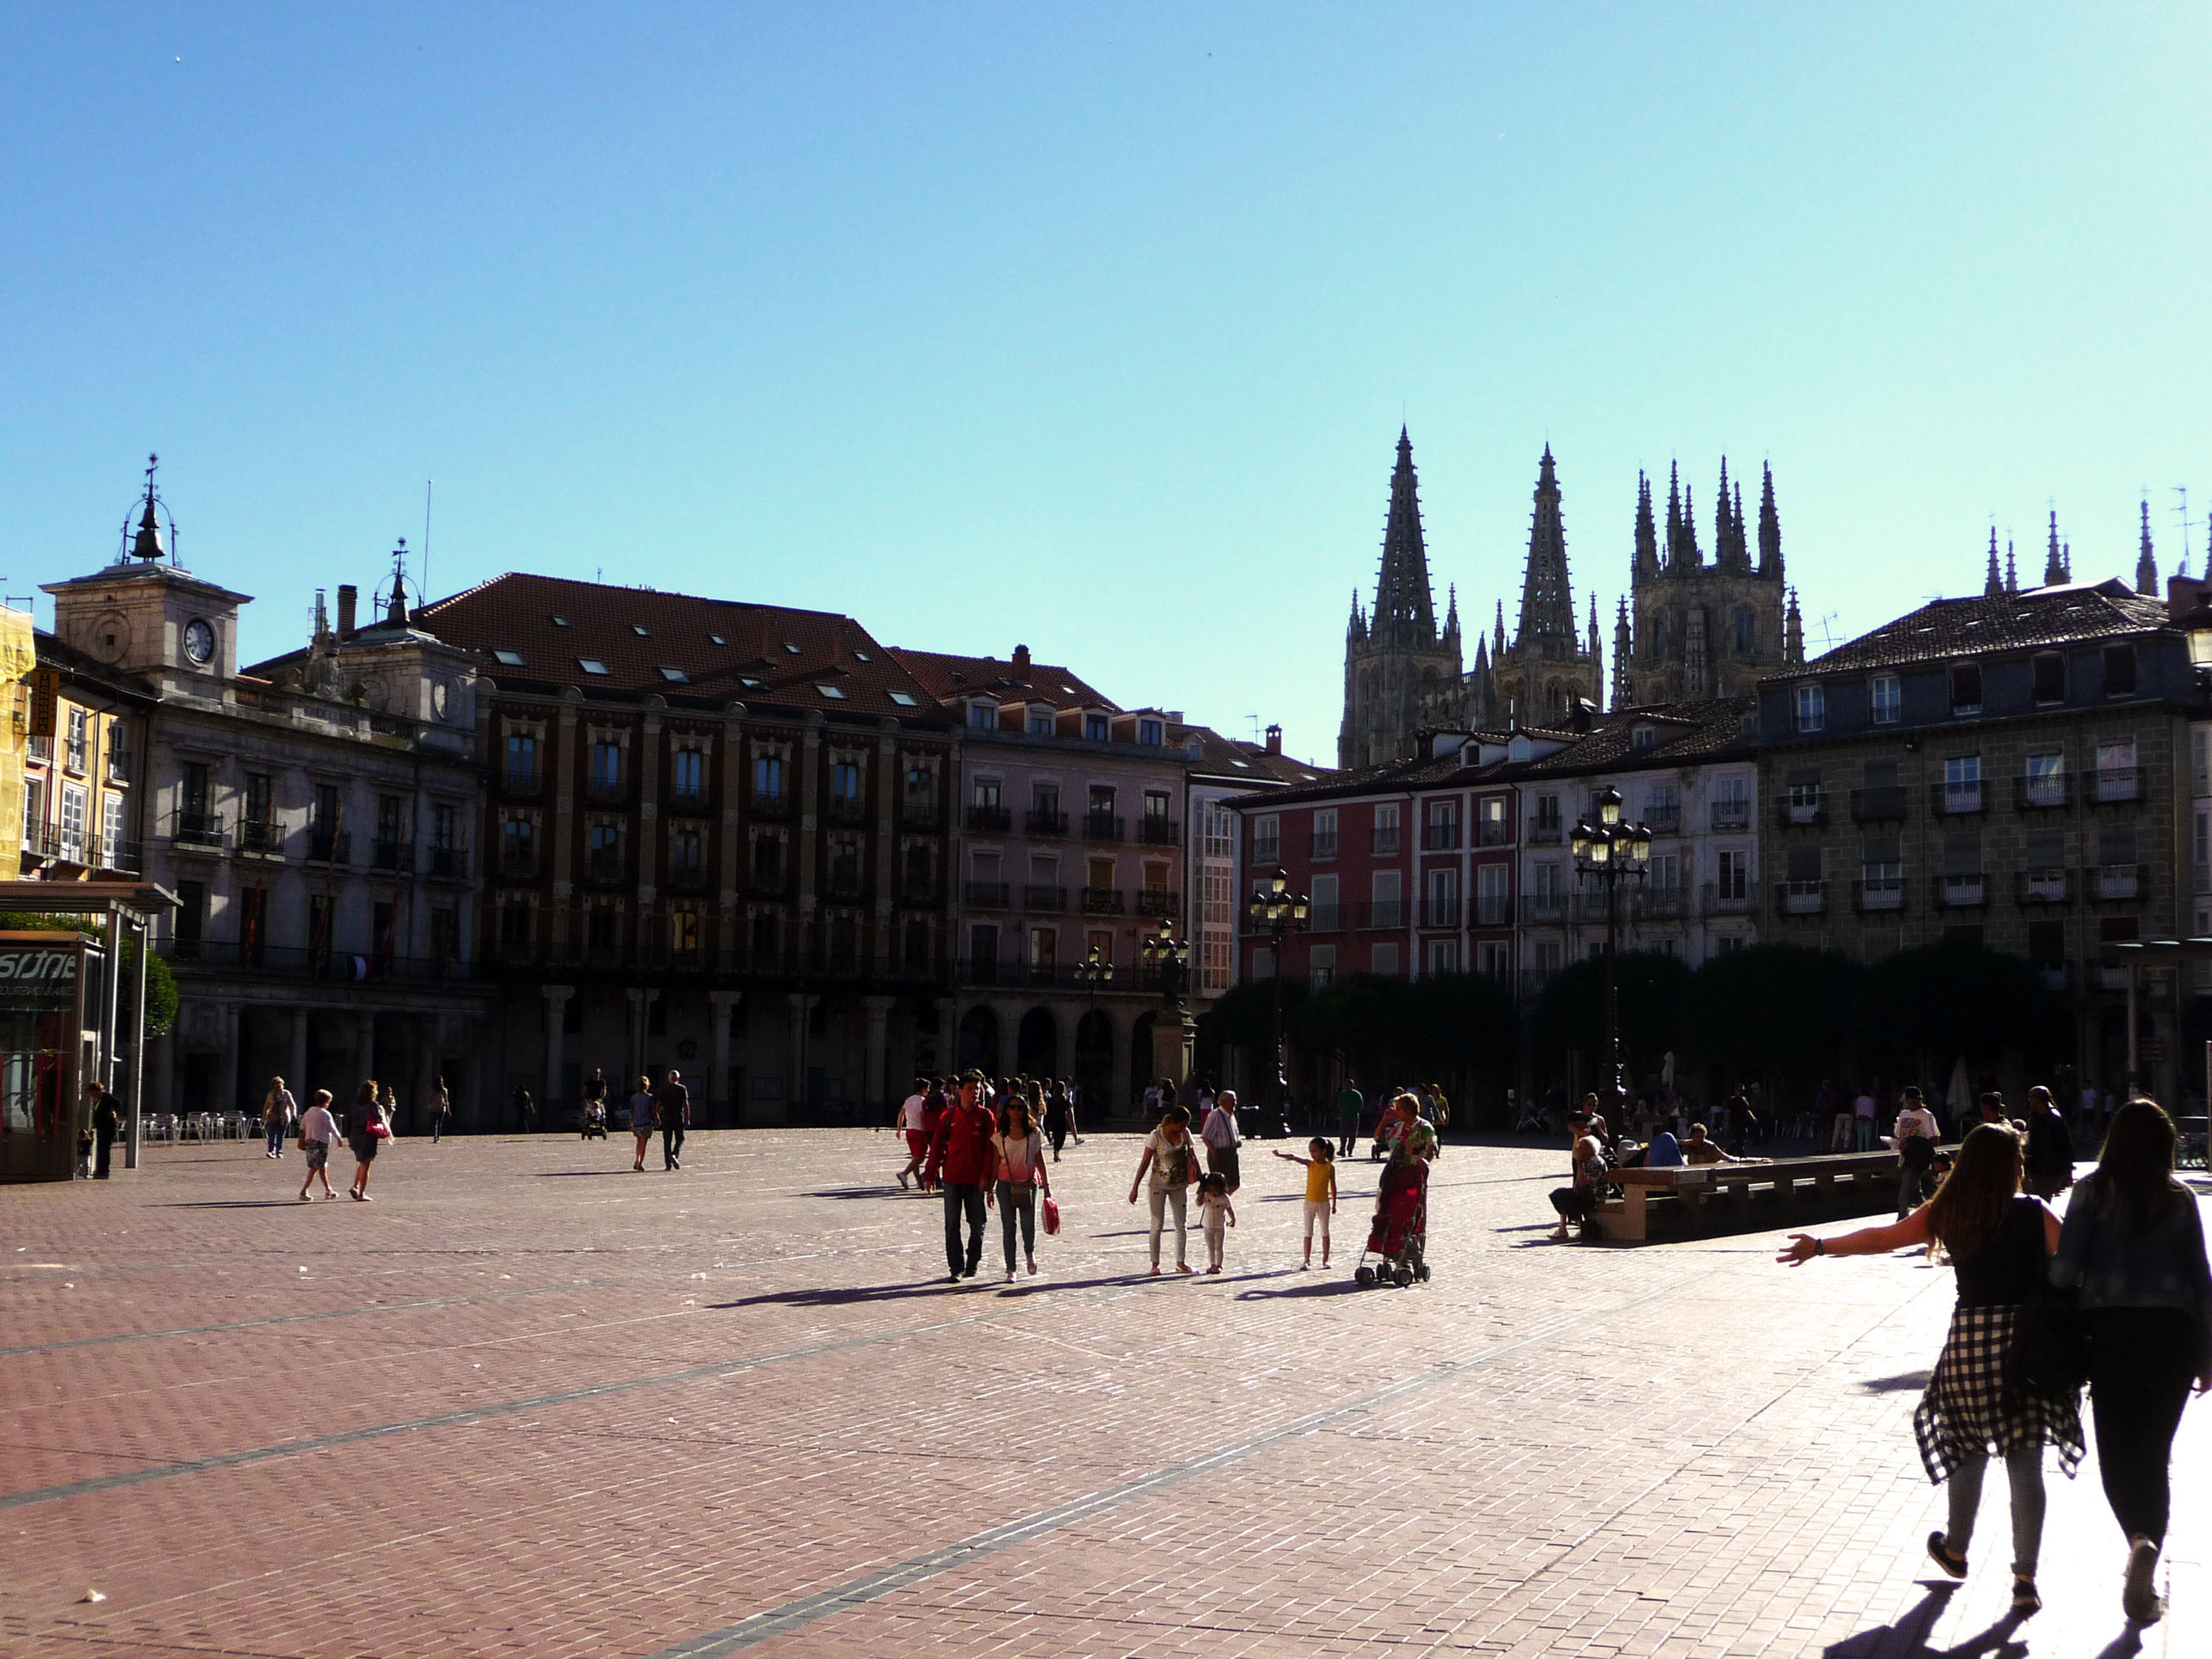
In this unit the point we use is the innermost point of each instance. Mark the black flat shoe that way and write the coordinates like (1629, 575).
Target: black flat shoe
(1940, 1553)
(2024, 1598)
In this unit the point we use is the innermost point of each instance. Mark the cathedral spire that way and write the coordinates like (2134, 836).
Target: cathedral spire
(2012, 571)
(1646, 565)
(1674, 517)
(1623, 643)
(1769, 530)
(2053, 572)
(1993, 584)
(1547, 601)
(1728, 550)
(1793, 633)
(1404, 611)
(2147, 563)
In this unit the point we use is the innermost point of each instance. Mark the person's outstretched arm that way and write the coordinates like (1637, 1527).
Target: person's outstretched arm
(1867, 1241)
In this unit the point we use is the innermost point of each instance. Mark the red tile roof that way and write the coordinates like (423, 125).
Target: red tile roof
(949, 677)
(724, 650)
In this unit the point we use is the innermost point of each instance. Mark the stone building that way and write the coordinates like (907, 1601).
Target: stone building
(1690, 630)
(716, 839)
(1401, 670)
(1547, 671)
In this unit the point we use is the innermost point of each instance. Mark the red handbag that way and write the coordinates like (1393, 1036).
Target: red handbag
(1052, 1214)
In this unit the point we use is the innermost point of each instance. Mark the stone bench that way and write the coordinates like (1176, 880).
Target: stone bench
(1687, 1200)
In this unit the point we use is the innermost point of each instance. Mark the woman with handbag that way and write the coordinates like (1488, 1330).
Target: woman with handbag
(2133, 1244)
(1172, 1161)
(1999, 1240)
(372, 1128)
(1019, 1150)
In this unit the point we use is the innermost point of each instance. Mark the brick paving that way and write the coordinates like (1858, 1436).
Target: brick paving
(529, 1402)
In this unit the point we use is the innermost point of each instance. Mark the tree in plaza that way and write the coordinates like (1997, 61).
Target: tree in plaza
(1571, 1014)
(1779, 1011)
(1922, 1009)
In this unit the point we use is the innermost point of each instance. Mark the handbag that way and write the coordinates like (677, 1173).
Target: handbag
(1052, 1216)
(2050, 1356)
(376, 1129)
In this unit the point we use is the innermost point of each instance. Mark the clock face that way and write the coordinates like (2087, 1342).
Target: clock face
(200, 641)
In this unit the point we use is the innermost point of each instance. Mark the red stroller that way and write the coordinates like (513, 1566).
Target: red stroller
(1399, 1237)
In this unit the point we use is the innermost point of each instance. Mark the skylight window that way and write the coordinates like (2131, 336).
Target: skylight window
(904, 700)
(591, 665)
(718, 640)
(512, 658)
(791, 647)
(748, 680)
(676, 676)
(860, 656)
(640, 631)
(836, 693)
(560, 621)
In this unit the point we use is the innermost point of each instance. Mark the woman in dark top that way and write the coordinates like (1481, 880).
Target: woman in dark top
(1999, 1241)
(1055, 1117)
(2134, 1245)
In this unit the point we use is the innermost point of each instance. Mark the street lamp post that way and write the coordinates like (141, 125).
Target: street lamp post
(1613, 852)
(1275, 911)
(1095, 974)
(1169, 956)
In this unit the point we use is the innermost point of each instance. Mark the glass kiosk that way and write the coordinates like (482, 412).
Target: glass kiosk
(52, 987)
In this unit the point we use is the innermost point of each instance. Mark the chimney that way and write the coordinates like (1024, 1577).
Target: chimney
(1021, 663)
(1275, 739)
(349, 596)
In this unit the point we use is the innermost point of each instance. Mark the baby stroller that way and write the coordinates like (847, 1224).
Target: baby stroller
(1398, 1237)
(594, 1125)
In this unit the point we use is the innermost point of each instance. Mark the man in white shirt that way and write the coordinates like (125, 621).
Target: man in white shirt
(1915, 1140)
(912, 1117)
(318, 1130)
(1219, 1132)
(1862, 1119)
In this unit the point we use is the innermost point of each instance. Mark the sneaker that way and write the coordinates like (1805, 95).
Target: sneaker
(305, 1198)
(2024, 1598)
(1940, 1553)
(902, 1180)
(952, 1278)
(2139, 1597)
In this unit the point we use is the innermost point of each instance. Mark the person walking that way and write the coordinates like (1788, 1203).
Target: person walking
(1055, 1117)
(1350, 1103)
(962, 1159)
(370, 1129)
(1215, 1215)
(1999, 1240)
(525, 1107)
(1218, 1130)
(107, 1123)
(278, 1110)
(643, 1110)
(594, 1094)
(2133, 1245)
(913, 1111)
(675, 1117)
(1321, 1194)
(389, 1101)
(2050, 1146)
(1915, 1137)
(440, 1110)
(1018, 1168)
(318, 1133)
(1075, 1098)
(1172, 1161)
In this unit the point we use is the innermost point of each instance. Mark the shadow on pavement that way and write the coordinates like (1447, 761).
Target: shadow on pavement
(1311, 1288)
(1896, 1384)
(236, 1203)
(1905, 1639)
(1998, 1639)
(856, 1192)
(834, 1296)
(570, 1174)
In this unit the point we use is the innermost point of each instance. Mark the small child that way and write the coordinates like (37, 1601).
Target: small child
(1215, 1215)
(1320, 1194)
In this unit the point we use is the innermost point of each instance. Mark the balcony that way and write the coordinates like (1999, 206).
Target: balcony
(2046, 792)
(1962, 890)
(197, 828)
(1725, 898)
(923, 889)
(1493, 910)
(1101, 902)
(1590, 903)
(2056, 976)
(767, 804)
(771, 883)
(1800, 897)
(1325, 846)
(1880, 804)
(1963, 798)
(124, 857)
(261, 837)
(2044, 887)
(847, 808)
(693, 801)
(603, 868)
(1329, 919)
(606, 791)
(918, 812)
(843, 885)
(1036, 897)
(521, 785)
(2116, 883)
(1660, 904)
(1805, 809)
(1730, 816)
(517, 866)
(687, 878)
(1440, 837)
(449, 864)
(298, 961)
(1266, 853)
(1546, 832)
(2117, 786)
(393, 856)
(1044, 821)
(118, 766)
(1153, 832)
(1544, 909)
(2111, 976)
(329, 846)
(986, 895)
(1103, 826)
(1161, 901)
(1664, 820)
(1382, 914)
(1439, 913)
(1871, 894)
(1383, 843)
(1493, 832)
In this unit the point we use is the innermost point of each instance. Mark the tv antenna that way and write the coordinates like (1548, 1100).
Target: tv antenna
(1827, 632)
(2180, 514)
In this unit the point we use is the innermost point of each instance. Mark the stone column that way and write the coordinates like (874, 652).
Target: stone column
(801, 1005)
(1117, 1102)
(417, 1106)
(877, 1009)
(295, 1060)
(1173, 1036)
(365, 1049)
(226, 1074)
(719, 1005)
(556, 1011)
(160, 1074)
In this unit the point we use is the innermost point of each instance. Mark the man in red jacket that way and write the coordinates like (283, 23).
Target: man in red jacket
(961, 1157)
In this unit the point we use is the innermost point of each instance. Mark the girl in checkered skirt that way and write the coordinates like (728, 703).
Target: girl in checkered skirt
(2000, 1242)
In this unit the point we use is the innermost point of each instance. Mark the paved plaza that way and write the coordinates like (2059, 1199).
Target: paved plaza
(530, 1402)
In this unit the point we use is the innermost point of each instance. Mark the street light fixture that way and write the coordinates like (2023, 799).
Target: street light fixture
(1613, 852)
(1275, 911)
(1169, 957)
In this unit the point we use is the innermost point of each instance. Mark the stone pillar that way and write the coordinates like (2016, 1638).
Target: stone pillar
(801, 1005)
(295, 1060)
(365, 1053)
(160, 1084)
(226, 1074)
(1173, 1037)
(556, 1011)
(873, 1101)
(417, 1105)
(720, 1005)
(641, 999)
(1117, 1101)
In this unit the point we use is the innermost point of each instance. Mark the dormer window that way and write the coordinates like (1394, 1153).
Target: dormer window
(1645, 737)
(1097, 727)
(2050, 676)
(1966, 688)
(1152, 732)
(591, 665)
(982, 716)
(1041, 723)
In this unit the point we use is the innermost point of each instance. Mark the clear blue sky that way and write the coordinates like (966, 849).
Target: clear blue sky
(1091, 328)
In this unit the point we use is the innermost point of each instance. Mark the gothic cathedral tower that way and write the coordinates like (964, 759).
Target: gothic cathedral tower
(1703, 629)
(1549, 667)
(1402, 672)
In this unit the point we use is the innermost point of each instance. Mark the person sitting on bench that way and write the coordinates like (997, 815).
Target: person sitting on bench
(1700, 1149)
(1579, 1203)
